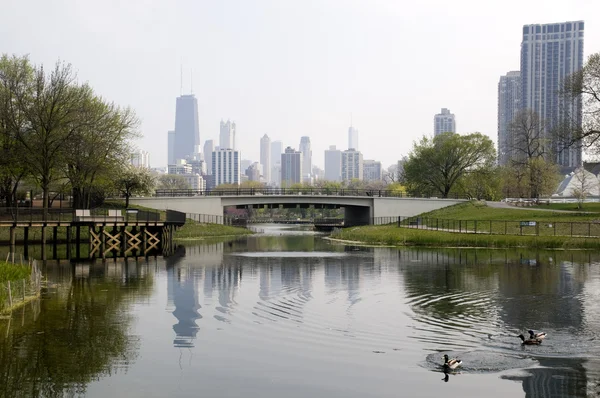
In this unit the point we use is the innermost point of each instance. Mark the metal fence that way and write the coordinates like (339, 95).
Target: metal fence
(14, 293)
(33, 214)
(212, 219)
(496, 227)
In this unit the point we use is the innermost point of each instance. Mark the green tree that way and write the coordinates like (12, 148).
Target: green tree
(135, 181)
(172, 181)
(484, 183)
(583, 87)
(435, 165)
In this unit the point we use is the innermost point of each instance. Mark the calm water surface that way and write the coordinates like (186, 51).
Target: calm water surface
(289, 314)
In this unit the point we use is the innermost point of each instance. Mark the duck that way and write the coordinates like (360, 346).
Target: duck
(529, 341)
(451, 363)
(539, 336)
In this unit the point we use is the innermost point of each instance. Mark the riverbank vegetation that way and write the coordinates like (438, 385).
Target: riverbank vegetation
(13, 272)
(196, 231)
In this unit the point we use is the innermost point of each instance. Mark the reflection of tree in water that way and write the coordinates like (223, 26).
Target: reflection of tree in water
(79, 335)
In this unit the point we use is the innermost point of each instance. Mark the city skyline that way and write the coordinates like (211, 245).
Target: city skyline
(306, 66)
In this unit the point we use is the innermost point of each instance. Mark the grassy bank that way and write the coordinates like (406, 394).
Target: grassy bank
(192, 230)
(392, 235)
(13, 272)
(587, 207)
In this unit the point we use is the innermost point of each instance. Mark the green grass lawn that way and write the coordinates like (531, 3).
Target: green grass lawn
(480, 211)
(587, 207)
(192, 230)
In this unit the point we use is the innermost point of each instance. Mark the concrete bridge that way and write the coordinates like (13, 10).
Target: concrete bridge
(360, 207)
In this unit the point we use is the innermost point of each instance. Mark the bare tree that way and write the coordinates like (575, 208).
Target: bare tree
(527, 140)
(585, 184)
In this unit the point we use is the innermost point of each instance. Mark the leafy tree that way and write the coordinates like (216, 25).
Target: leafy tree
(583, 87)
(435, 165)
(173, 181)
(484, 183)
(134, 181)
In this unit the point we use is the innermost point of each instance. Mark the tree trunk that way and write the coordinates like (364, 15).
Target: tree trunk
(127, 200)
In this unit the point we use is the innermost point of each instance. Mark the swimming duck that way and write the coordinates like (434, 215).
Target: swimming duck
(451, 363)
(539, 336)
(529, 341)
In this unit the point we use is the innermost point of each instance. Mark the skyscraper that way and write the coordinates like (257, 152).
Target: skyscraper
(333, 164)
(227, 135)
(291, 167)
(444, 122)
(171, 148)
(372, 170)
(265, 157)
(276, 151)
(352, 138)
(509, 103)
(306, 156)
(187, 132)
(226, 166)
(209, 147)
(550, 53)
(352, 165)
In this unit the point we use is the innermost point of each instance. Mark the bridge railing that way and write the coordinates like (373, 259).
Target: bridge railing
(36, 214)
(287, 191)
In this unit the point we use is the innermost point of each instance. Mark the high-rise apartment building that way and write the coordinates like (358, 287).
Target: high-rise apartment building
(550, 53)
(227, 135)
(291, 167)
(171, 148)
(444, 122)
(226, 166)
(265, 157)
(333, 164)
(306, 157)
(140, 159)
(276, 151)
(352, 165)
(209, 147)
(352, 138)
(372, 170)
(509, 103)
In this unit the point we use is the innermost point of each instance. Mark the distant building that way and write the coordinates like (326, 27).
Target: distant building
(195, 181)
(509, 103)
(265, 157)
(352, 165)
(226, 167)
(140, 159)
(306, 157)
(550, 53)
(198, 166)
(291, 167)
(372, 170)
(253, 172)
(180, 167)
(209, 147)
(227, 135)
(171, 148)
(187, 134)
(333, 164)
(444, 122)
(352, 138)
(276, 151)
(318, 173)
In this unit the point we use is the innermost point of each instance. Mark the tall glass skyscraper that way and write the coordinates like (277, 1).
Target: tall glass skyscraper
(306, 156)
(550, 53)
(184, 142)
(509, 103)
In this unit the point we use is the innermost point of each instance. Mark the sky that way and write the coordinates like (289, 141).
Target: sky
(292, 68)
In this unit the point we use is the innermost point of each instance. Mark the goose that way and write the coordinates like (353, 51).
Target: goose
(529, 341)
(451, 363)
(539, 336)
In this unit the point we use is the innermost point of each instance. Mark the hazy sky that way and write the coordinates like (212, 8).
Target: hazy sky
(293, 68)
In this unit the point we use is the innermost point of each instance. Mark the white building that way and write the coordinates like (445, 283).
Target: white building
(209, 147)
(226, 166)
(444, 122)
(372, 170)
(333, 164)
(140, 159)
(352, 165)
(180, 167)
(227, 135)
(265, 157)
(353, 138)
(306, 157)
(579, 180)
(195, 181)
(276, 151)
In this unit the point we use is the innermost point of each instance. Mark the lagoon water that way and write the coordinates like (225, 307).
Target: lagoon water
(286, 313)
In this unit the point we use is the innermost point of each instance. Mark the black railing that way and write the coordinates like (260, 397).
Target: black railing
(290, 191)
(37, 215)
(589, 229)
